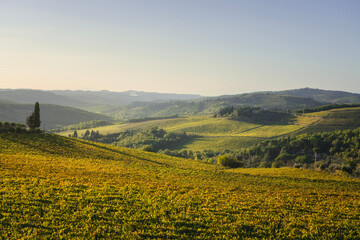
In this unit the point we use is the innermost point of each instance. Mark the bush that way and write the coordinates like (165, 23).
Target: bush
(228, 161)
(148, 148)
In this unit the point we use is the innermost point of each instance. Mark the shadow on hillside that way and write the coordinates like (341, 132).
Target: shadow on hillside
(124, 153)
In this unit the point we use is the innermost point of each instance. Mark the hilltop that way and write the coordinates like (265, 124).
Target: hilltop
(56, 187)
(323, 95)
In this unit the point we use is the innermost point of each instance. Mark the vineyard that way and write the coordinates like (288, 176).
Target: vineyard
(52, 187)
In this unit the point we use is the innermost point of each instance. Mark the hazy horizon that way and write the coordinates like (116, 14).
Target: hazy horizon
(129, 90)
(201, 47)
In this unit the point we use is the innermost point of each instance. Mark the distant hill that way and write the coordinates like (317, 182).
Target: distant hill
(210, 105)
(121, 98)
(136, 104)
(32, 96)
(87, 99)
(53, 116)
(323, 95)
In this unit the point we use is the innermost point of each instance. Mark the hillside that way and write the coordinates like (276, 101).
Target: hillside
(56, 187)
(224, 133)
(209, 105)
(211, 133)
(52, 116)
(334, 119)
(323, 95)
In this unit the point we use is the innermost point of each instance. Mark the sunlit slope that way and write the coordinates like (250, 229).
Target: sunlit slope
(213, 133)
(220, 143)
(198, 125)
(335, 119)
(55, 187)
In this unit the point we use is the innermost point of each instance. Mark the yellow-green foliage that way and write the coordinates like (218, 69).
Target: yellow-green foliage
(335, 119)
(53, 187)
(270, 131)
(221, 143)
(213, 127)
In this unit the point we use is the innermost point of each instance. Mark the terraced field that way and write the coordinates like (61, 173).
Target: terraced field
(53, 187)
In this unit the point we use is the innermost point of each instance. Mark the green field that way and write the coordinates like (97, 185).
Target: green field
(335, 119)
(219, 134)
(53, 187)
(213, 133)
(220, 143)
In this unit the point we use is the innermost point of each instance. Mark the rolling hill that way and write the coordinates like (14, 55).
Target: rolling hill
(87, 99)
(209, 105)
(56, 187)
(323, 95)
(30, 96)
(135, 104)
(211, 133)
(223, 133)
(333, 120)
(52, 116)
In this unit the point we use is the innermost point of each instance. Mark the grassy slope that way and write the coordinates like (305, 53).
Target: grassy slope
(214, 133)
(55, 187)
(222, 133)
(333, 120)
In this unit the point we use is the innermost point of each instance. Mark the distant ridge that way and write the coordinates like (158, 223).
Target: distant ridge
(30, 96)
(321, 95)
(137, 104)
(86, 99)
(105, 97)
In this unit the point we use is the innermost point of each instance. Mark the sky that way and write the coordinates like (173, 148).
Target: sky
(207, 47)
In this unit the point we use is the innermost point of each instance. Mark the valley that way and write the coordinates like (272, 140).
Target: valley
(237, 173)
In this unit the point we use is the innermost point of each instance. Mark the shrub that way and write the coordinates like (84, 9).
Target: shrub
(148, 148)
(227, 161)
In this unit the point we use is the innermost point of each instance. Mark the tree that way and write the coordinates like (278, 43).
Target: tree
(228, 161)
(33, 121)
(87, 133)
(75, 134)
(37, 115)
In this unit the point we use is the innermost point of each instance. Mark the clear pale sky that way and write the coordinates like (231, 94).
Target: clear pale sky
(209, 47)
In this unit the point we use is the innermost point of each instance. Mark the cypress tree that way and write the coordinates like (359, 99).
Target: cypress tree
(33, 121)
(37, 115)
